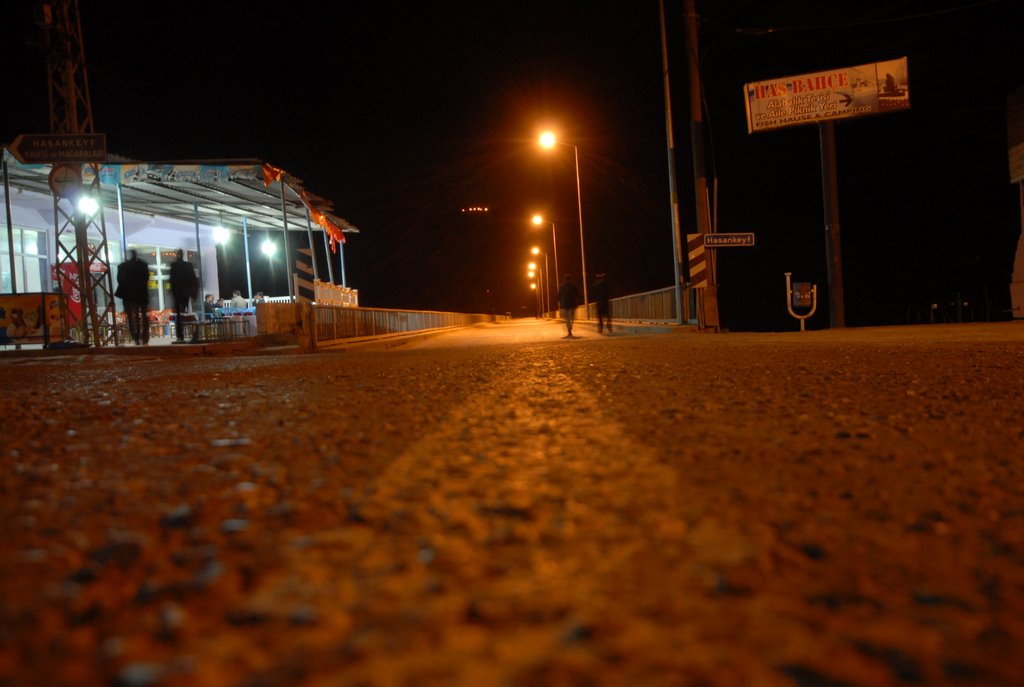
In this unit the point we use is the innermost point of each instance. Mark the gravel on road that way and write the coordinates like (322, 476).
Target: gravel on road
(506, 507)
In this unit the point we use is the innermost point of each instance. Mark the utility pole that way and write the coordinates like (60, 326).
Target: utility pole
(71, 113)
(700, 183)
(677, 246)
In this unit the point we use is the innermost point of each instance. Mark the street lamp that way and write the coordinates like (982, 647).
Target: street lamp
(269, 248)
(538, 220)
(536, 291)
(220, 235)
(549, 140)
(546, 284)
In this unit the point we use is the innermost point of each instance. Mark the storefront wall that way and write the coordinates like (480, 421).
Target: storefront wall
(155, 239)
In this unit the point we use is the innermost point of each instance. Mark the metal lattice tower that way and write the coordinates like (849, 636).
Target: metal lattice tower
(81, 239)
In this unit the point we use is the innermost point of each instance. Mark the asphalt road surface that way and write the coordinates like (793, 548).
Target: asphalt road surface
(502, 506)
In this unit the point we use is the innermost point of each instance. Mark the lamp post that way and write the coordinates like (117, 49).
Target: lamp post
(549, 140)
(547, 277)
(538, 285)
(538, 220)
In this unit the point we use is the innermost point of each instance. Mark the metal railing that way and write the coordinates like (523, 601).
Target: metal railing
(658, 307)
(332, 323)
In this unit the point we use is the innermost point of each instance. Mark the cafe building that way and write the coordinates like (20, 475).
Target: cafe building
(157, 208)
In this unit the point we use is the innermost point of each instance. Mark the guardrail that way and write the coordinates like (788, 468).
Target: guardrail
(319, 324)
(658, 306)
(334, 323)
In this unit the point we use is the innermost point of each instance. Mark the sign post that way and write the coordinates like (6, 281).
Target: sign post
(735, 240)
(59, 148)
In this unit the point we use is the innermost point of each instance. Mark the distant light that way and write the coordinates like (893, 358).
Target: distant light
(87, 205)
(532, 266)
(476, 208)
(533, 285)
(547, 140)
(535, 250)
(531, 274)
(269, 248)
(537, 219)
(220, 235)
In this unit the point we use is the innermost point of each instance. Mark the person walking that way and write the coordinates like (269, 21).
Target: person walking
(600, 292)
(568, 300)
(133, 290)
(184, 287)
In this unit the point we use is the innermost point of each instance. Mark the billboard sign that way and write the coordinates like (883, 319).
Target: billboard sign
(843, 93)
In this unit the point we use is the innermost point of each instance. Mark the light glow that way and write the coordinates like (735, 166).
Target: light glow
(547, 140)
(269, 248)
(220, 235)
(87, 205)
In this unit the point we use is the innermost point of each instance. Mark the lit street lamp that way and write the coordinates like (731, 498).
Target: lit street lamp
(538, 220)
(549, 140)
(269, 248)
(538, 284)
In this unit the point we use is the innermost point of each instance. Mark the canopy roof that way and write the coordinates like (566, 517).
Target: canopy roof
(224, 191)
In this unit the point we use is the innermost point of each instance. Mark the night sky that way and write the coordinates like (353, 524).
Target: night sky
(403, 113)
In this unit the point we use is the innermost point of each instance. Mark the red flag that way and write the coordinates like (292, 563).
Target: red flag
(271, 174)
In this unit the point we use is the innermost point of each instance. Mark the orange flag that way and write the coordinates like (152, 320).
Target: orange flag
(271, 174)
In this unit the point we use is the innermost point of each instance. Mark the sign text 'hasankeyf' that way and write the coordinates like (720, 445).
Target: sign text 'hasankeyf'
(733, 240)
(836, 94)
(59, 148)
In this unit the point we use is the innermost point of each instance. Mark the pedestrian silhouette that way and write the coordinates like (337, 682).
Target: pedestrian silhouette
(184, 287)
(568, 300)
(600, 292)
(133, 290)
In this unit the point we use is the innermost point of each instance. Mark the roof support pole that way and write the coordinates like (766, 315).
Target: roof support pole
(248, 265)
(341, 252)
(199, 253)
(330, 264)
(312, 247)
(120, 218)
(287, 251)
(10, 224)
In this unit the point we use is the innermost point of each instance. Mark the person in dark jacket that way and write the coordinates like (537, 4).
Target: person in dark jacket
(184, 287)
(568, 300)
(133, 290)
(601, 296)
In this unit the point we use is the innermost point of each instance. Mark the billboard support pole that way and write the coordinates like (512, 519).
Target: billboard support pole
(833, 250)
